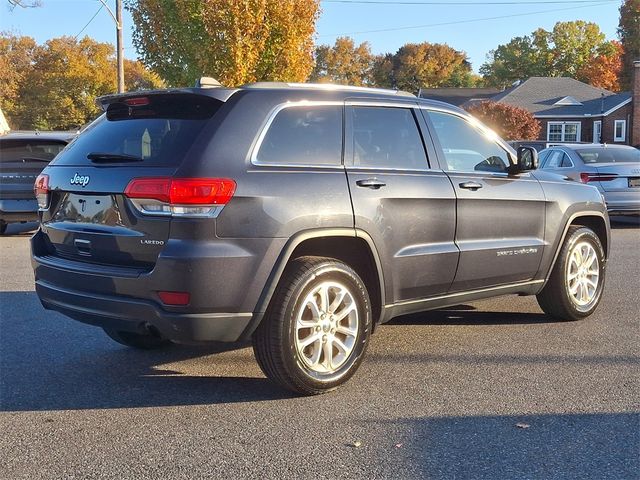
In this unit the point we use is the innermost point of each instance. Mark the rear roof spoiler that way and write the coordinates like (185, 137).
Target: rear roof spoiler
(222, 94)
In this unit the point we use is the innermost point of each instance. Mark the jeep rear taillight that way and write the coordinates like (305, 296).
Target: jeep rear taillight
(188, 197)
(41, 190)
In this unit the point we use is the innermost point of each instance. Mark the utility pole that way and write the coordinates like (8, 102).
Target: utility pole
(119, 45)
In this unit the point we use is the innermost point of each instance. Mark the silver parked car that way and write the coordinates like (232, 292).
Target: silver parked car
(613, 169)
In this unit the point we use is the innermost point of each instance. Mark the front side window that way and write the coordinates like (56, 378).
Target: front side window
(467, 148)
(554, 160)
(563, 131)
(387, 137)
(303, 135)
(619, 130)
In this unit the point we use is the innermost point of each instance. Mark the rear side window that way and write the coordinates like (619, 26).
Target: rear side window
(387, 137)
(17, 150)
(154, 130)
(303, 135)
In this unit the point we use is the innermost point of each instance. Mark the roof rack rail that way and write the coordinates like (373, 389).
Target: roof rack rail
(326, 86)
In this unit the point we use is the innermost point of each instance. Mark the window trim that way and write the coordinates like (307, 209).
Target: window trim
(624, 130)
(271, 117)
(599, 123)
(563, 124)
(412, 107)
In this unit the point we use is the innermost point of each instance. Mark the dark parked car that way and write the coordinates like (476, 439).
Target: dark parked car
(301, 217)
(613, 169)
(23, 155)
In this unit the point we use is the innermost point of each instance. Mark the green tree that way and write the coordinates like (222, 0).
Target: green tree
(629, 33)
(604, 69)
(235, 41)
(343, 63)
(564, 51)
(137, 77)
(511, 123)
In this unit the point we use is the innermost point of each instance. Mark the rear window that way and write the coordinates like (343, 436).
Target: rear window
(17, 150)
(155, 130)
(608, 155)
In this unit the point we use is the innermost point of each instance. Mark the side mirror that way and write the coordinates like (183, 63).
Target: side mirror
(527, 159)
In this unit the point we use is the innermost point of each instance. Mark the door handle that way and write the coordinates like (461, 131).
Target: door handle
(372, 183)
(473, 186)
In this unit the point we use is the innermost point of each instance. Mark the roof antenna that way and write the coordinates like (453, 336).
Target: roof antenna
(208, 82)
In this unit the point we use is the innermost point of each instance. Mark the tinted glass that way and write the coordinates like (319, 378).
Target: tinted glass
(566, 161)
(465, 147)
(309, 135)
(606, 155)
(159, 132)
(542, 158)
(387, 138)
(12, 150)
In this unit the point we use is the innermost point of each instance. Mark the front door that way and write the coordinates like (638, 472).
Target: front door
(500, 217)
(401, 198)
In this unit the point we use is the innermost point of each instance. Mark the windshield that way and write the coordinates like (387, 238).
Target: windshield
(16, 150)
(609, 155)
(157, 130)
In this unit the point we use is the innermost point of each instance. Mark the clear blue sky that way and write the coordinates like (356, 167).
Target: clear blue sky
(68, 17)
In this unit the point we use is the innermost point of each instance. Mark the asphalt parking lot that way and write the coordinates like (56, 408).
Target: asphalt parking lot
(491, 389)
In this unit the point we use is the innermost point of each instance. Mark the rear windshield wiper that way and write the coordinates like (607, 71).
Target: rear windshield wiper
(112, 157)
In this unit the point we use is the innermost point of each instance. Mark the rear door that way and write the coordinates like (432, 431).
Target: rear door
(401, 198)
(500, 217)
(89, 218)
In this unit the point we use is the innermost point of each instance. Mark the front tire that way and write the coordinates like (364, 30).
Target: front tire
(576, 283)
(317, 328)
(3, 227)
(137, 340)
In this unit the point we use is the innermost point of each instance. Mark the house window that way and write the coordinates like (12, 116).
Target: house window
(597, 131)
(563, 131)
(619, 130)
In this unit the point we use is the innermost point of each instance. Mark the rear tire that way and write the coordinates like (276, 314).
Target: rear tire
(316, 331)
(3, 227)
(576, 283)
(137, 340)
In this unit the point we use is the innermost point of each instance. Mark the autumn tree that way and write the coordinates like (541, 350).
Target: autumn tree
(629, 33)
(564, 51)
(235, 41)
(343, 63)
(16, 62)
(511, 123)
(604, 69)
(54, 86)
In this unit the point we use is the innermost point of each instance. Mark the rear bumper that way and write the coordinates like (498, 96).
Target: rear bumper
(622, 203)
(133, 315)
(19, 210)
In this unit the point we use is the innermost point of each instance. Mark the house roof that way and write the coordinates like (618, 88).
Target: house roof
(543, 96)
(458, 96)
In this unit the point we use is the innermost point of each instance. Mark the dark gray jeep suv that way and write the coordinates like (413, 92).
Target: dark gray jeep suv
(300, 217)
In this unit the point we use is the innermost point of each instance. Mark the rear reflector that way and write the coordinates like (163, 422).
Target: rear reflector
(41, 190)
(597, 177)
(180, 196)
(175, 298)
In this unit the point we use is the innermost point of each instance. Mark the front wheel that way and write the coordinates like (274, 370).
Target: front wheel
(316, 331)
(576, 283)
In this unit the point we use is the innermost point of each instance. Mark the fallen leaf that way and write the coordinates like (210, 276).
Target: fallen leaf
(398, 445)
(522, 425)
(357, 444)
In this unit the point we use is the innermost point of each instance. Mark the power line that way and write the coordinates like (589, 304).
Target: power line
(457, 22)
(88, 23)
(481, 3)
